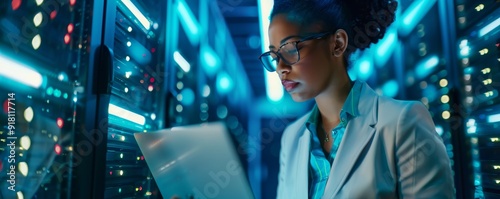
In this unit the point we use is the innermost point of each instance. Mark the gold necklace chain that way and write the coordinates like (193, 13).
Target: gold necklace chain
(327, 139)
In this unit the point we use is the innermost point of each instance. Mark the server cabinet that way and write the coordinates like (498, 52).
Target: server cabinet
(134, 34)
(430, 80)
(83, 76)
(45, 50)
(478, 57)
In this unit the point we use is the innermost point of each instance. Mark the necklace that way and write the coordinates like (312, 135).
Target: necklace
(327, 139)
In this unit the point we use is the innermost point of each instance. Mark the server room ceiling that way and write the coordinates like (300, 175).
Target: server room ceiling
(242, 19)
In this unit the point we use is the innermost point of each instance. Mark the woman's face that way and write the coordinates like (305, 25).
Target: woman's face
(315, 70)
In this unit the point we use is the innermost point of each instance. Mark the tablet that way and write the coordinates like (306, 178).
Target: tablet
(197, 161)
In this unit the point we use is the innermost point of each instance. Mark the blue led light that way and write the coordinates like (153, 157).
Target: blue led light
(471, 122)
(439, 130)
(386, 47)
(183, 64)
(188, 21)
(476, 164)
(414, 14)
(187, 97)
(472, 130)
(468, 70)
(488, 28)
(426, 66)
(126, 114)
(365, 68)
(14, 70)
(137, 13)
(57, 93)
(465, 51)
(224, 82)
(390, 88)
(50, 91)
(494, 118)
(210, 59)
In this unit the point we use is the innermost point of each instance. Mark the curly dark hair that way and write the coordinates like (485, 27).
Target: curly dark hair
(365, 21)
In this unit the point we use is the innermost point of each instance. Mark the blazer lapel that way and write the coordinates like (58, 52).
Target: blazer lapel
(301, 174)
(358, 133)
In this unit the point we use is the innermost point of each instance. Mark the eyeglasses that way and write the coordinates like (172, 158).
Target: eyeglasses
(288, 52)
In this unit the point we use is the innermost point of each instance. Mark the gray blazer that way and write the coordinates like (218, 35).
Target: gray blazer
(391, 150)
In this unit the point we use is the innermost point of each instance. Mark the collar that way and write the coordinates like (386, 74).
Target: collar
(348, 111)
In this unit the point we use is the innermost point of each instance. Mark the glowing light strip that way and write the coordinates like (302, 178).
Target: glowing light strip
(274, 89)
(210, 57)
(188, 17)
(19, 72)
(137, 13)
(488, 28)
(425, 67)
(385, 47)
(265, 7)
(126, 114)
(494, 118)
(183, 64)
(414, 13)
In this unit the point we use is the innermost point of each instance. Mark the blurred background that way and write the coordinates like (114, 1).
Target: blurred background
(85, 75)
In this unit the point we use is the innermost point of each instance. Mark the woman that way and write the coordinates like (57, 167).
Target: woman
(353, 144)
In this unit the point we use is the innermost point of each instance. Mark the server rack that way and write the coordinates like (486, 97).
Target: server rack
(86, 75)
(428, 66)
(430, 79)
(133, 36)
(477, 54)
(46, 49)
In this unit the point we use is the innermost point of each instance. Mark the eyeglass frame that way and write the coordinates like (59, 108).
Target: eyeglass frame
(279, 56)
